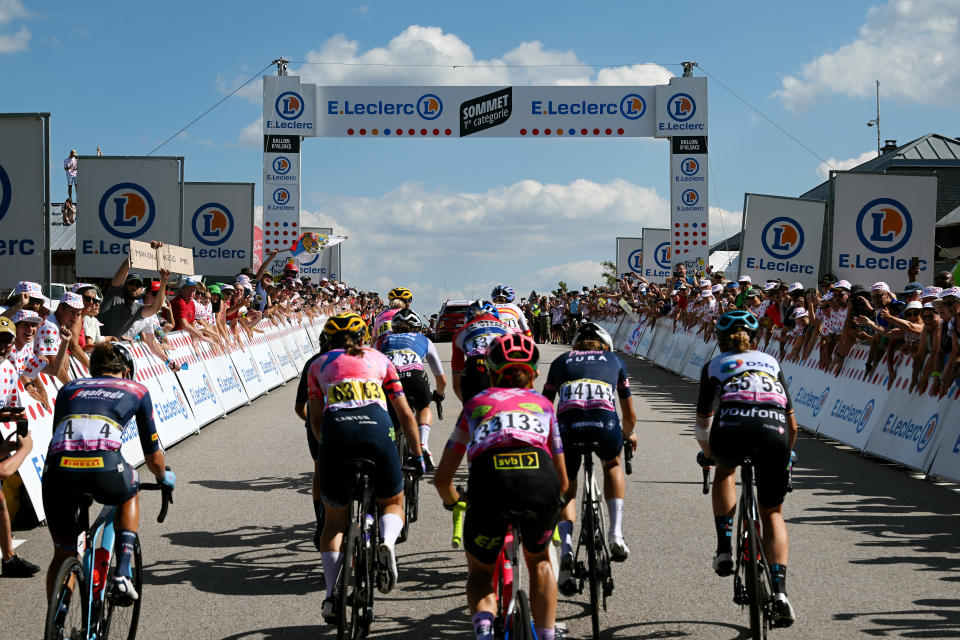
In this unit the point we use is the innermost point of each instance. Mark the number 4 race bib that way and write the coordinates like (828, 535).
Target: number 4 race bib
(585, 395)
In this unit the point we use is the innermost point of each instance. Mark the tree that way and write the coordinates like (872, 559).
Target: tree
(609, 272)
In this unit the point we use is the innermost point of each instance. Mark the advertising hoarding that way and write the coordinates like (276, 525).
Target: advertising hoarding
(657, 254)
(682, 108)
(880, 223)
(218, 225)
(689, 206)
(629, 256)
(281, 191)
(782, 238)
(289, 108)
(122, 199)
(23, 165)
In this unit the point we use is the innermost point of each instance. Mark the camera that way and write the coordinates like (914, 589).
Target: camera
(22, 427)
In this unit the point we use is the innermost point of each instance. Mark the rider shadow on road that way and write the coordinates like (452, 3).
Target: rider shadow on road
(676, 629)
(301, 484)
(932, 618)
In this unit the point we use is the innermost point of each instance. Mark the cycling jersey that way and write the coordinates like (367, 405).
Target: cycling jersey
(383, 324)
(92, 414)
(502, 418)
(513, 317)
(342, 381)
(409, 351)
(586, 382)
(473, 339)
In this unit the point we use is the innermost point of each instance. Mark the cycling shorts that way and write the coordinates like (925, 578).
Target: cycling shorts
(364, 432)
(606, 433)
(72, 478)
(510, 479)
(474, 378)
(762, 439)
(416, 386)
(312, 444)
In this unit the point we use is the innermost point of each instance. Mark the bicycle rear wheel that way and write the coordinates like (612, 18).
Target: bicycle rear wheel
(758, 626)
(71, 621)
(350, 584)
(121, 622)
(521, 627)
(589, 532)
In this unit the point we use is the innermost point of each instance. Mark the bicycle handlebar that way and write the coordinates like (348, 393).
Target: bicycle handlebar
(166, 496)
(628, 459)
(706, 463)
(437, 398)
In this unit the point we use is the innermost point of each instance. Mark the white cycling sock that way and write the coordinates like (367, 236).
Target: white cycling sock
(615, 509)
(390, 526)
(424, 436)
(331, 564)
(565, 527)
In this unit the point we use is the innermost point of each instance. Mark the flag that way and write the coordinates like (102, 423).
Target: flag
(311, 242)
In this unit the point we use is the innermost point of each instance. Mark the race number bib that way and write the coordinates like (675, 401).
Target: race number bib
(405, 359)
(586, 394)
(754, 387)
(349, 394)
(86, 432)
(521, 425)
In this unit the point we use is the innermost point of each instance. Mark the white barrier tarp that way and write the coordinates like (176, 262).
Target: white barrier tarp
(250, 377)
(171, 411)
(41, 430)
(266, 362)
(196, 383)
(946, 463)
(662, 355)
(682, 349)
(225, 378)
(699, 356)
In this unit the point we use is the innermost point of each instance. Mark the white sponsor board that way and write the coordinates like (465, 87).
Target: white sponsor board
(223, 376)
(629, 256)
(460, 111)
(782, 238)
(682, 108)
(689, 207)
(289, 108)
(123, 199)
(946, 464)
(281, 192)
(171, 411)
(250, 375)
(196, 382)
(657, 254)
(22, 209)
(880, 223)
(218, 225)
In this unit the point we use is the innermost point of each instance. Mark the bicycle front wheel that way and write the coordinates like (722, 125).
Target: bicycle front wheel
(121, 621)
(522, 624)
(68, 606)
(350, 585)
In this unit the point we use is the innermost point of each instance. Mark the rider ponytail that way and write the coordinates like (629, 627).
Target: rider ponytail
(739, 342)
(514, 378)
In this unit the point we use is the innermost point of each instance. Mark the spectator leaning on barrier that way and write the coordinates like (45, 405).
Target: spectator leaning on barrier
(70, 165)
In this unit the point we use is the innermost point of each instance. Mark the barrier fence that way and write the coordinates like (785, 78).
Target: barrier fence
(866, 411)
(210, 383)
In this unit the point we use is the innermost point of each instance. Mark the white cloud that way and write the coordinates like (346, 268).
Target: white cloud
(911, 47)
(824, 168)
(724, 223)
(19, 41)
(252, 134)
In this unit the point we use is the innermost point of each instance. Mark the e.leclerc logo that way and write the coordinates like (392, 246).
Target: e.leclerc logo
(907, 429)
(289, 105)
(127, 210)
(281, 196)
(661, 255)
(689, 166)
(847, 412)
(884, 226)
(429, 106)
(281, 165)
(5, 192)
(782, 238)
(681, 107)
(213, 225)
(632, 107)
(635, 260)
(690, 197)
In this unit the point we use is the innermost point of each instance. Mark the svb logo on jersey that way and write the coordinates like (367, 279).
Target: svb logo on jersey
(661, 255)
(289, 105)
(127, 210)
(782, 237)
(212, 224)
(884, 225)
(681, 107)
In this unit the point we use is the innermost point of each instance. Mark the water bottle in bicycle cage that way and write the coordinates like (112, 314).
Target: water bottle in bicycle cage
(101, 565)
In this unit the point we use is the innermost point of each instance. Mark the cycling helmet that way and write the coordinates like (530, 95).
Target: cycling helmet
(512, 350)
(503, 291)
(111, 357)
(482, 307)
(593, 331)
(733, 321)
(400, 293)
(407, 318)
(342, 325)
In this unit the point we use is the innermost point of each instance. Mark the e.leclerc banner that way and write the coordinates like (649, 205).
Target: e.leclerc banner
(782, 238)
(289, 108)
(281, 191)
(656, 254)
(22, 168)
(629, 256)
(689, 208)
(880, 223)
(218, 225)
(123, 199)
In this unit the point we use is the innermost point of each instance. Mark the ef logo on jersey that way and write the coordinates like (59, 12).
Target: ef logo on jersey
(212, 224)
(127, 210)
(782, 237)
(884, 225)
(5, 192)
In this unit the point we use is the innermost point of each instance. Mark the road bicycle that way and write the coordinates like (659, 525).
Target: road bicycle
(752, 583)
(596, 572)
(513, 620)
(411, 487)
(81, 606)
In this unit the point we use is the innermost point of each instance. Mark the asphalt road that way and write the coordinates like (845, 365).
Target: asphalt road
(874, 550)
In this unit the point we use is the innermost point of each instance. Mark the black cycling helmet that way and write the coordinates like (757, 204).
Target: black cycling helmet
(733, 321)
(112, 357)
(407, 318)
(593, 331)
(342, 325)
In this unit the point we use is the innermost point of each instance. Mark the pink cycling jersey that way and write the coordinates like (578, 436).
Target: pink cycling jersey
(342, 381)
(498, 418)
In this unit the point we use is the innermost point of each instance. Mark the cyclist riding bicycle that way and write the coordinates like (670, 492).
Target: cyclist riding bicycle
(409, 349)
(84, 460)
(470, 344)
(511, 438)
(754, 419)
(398, 298)
(586, 379)
(349, 389)
(510, 314)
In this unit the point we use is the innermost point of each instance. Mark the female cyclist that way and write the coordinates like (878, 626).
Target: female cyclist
(349, 388)
(755, 419)
(587, 380)
(504, 424)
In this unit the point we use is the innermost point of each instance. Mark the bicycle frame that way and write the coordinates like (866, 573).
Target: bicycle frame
(100, 534)
(751, 559)
(363, 516)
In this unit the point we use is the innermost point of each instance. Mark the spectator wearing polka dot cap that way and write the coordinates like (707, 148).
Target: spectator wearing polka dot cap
(26, 295)
(58, 327)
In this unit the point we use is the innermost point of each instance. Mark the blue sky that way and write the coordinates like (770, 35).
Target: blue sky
(439, 216)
